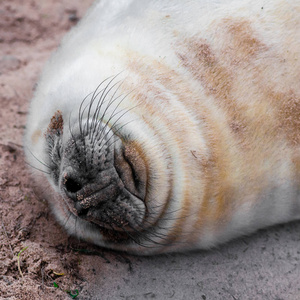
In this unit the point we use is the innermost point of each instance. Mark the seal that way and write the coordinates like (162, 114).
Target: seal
(171, 125)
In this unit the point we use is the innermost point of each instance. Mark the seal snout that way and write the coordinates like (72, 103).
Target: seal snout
(102, 200)
(90, 191)
(111, 191)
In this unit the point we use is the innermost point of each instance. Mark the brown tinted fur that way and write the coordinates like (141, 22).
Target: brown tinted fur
(263, 115)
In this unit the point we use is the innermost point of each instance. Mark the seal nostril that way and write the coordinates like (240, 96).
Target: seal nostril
(72, 186)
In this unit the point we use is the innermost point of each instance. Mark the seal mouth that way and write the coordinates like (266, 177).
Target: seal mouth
(111, 207)
(115, 222)
(110, 233)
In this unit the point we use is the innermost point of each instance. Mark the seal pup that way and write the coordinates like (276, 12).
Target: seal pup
(171, 125)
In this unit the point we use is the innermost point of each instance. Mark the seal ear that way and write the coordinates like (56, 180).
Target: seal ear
(53, 136)
(55, 129)
(56, 125)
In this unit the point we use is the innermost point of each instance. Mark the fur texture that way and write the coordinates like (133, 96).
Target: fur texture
(205, 98)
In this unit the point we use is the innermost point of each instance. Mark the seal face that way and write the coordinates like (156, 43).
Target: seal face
(164, 131)
(99, 179)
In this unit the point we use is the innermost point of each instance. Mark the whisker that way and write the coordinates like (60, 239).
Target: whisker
(113, 99)
(147, 238)
(102, 100)
(40, 161)
(81, 112)
(115, 132)
(107, 213)
(68, 218)
(99, 122)
(105, 125)
(113, 127)
(95, 123)
(37, 168)
(93, 99)
(113, 114)
(72, 134)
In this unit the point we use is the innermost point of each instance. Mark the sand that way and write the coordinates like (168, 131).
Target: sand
(29, 32)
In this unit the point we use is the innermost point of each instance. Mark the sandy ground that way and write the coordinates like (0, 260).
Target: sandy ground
(29, 31)
(55, 266)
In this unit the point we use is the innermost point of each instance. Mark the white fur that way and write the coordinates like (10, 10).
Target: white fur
(116, 33)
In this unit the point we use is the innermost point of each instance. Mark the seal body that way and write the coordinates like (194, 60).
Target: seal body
(171, 125)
